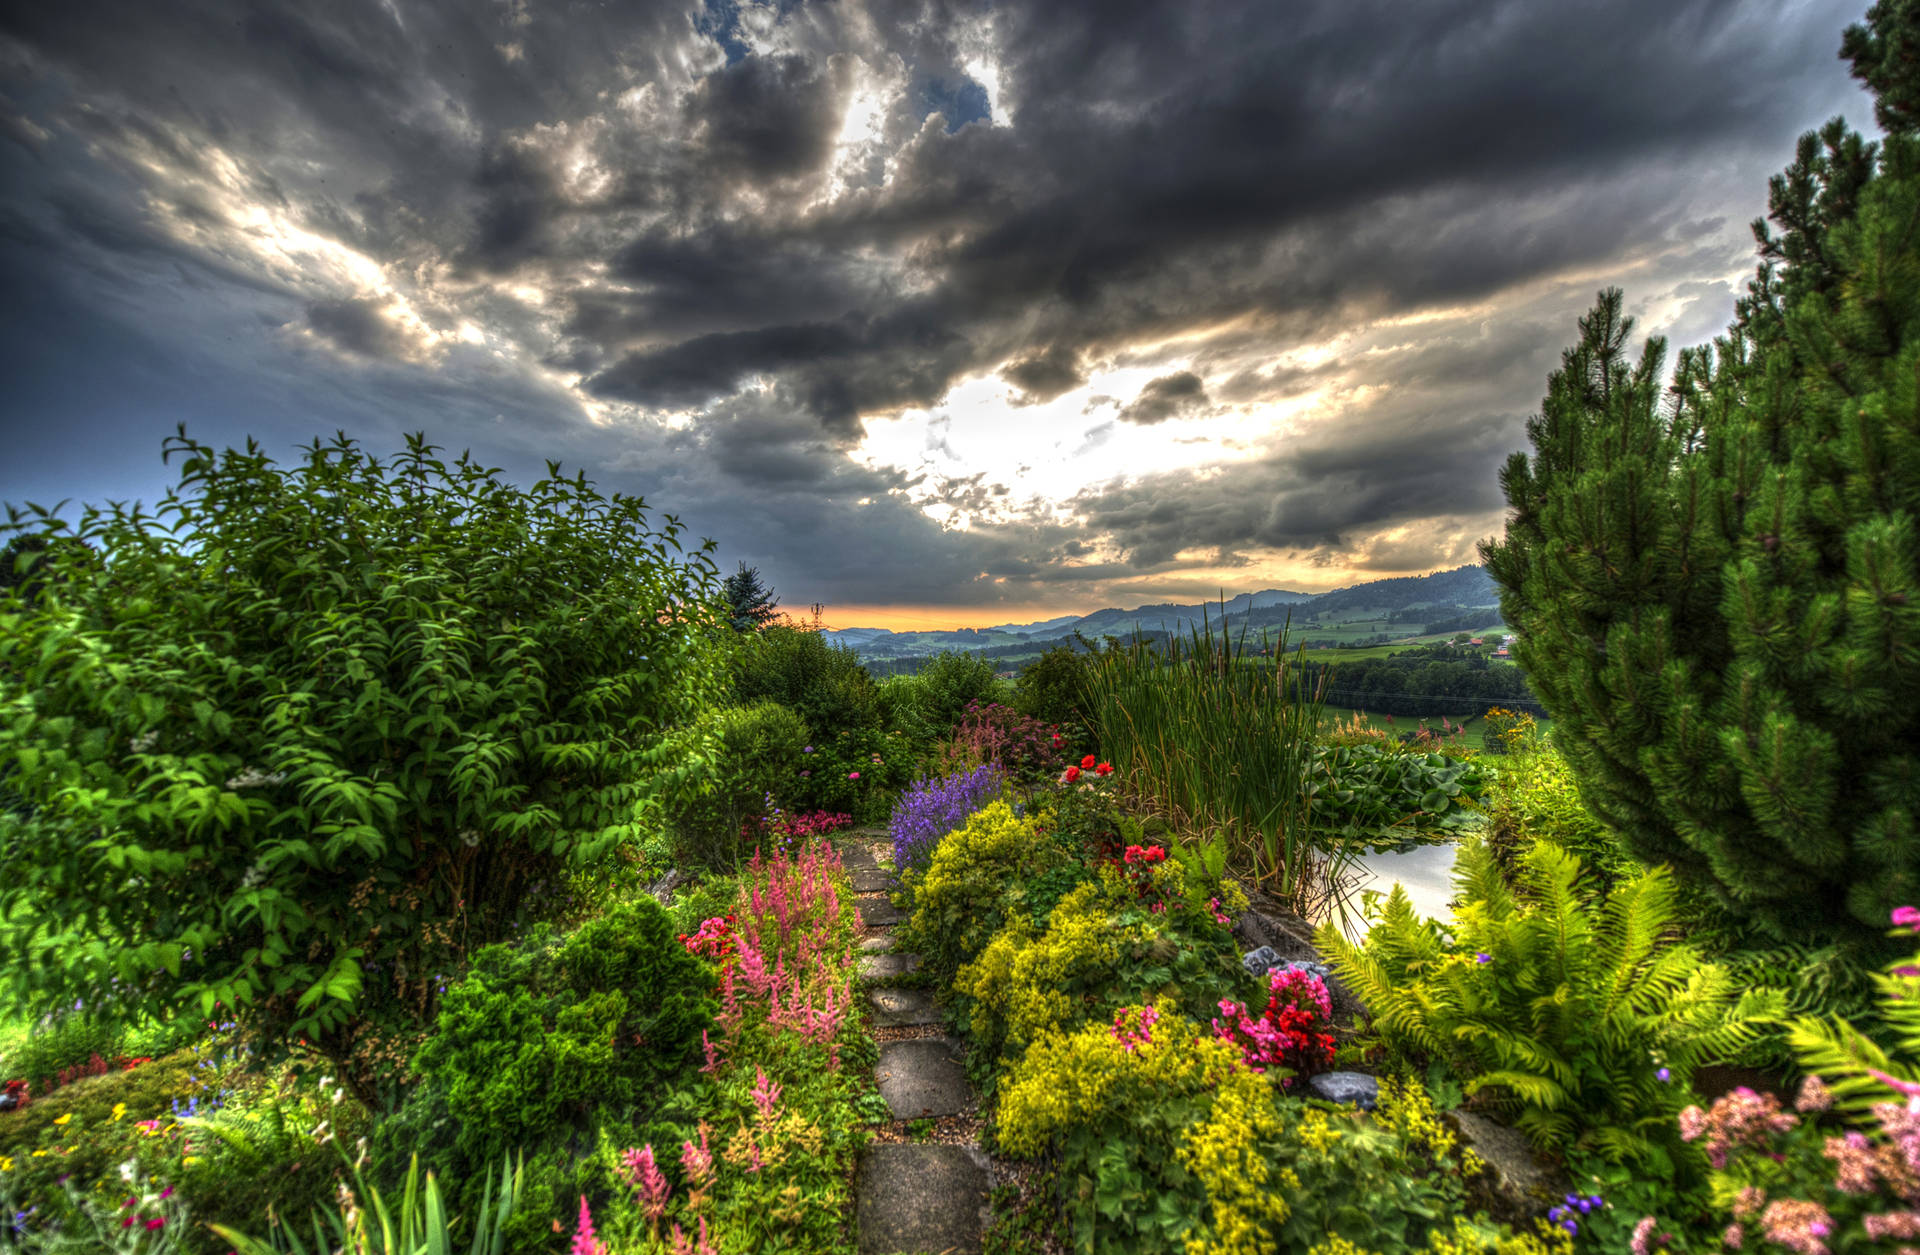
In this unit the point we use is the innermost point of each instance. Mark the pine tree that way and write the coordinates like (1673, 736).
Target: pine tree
(750, 605)
(1717, 589)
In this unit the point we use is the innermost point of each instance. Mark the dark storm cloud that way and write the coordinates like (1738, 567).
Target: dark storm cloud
(1045, 375)
(786, 219)
(358, 327)
(1166, 397)
(769, 118)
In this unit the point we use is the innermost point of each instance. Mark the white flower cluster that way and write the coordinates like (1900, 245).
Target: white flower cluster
(469, 837)
(254, 778)
(144, 742)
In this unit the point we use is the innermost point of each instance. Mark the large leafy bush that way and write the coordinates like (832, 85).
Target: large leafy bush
(1583, 1018)
(825, 683)
(297, 750)
(758, 751)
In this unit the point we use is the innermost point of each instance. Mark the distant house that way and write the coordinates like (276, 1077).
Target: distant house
(1502, 652)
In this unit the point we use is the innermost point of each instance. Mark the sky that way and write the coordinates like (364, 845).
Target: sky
(935, 312)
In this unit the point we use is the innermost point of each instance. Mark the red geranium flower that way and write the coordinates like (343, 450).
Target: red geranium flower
(1104, 769)
(1073, 773)
(1086, 764)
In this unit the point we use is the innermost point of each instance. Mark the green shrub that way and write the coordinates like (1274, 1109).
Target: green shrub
(336, 722)
(543, 1042)
(932, 700)
(1100, 948)
(1564, 1006)
(1165, 1142)
(1157, 1138)
(1535, 797)
(883, 761)
(757, 753)
(538, 1036)
(972, 885)
(825, 683)
(1053, 689)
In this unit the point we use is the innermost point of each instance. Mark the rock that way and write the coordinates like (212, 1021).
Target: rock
(879, 943)
(662, 889)
(8, 1102)
(870, 879)
(1267, 925)
(899, 1008)
(1258, 961)
(886, 966)
(1353, 1088)
(923, 1077)
(910, 1199)
(880, 913)
(1523, 1185)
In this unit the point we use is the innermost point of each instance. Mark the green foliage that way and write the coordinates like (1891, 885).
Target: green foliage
(97, 1222)
(1053, 688)
(1100, 949)
(942, 688)
(1155, 1145)
(419, 1222)
(1717, 582)
(1373, 796)
(1535, 797)
(884, 760)
(757, 753)
(75, 1129)
(1385, 1184)
(798, 669)
(59, 1042)
(1577, 1002)
(972, 886)
(539, 1036)
(296, 751)
(1222, 741)
(749, 605)
(1847, 1059)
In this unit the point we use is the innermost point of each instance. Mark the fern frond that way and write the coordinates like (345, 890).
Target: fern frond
(1844, 1058)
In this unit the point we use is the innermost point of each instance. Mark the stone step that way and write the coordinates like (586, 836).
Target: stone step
(870, 879)
(923, 1077)
(920, 1200)
(880, 913)
(856, 856)
(879, 943)
(901, 1008)
(886, 966)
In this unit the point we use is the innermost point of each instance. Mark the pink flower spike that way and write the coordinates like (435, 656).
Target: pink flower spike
(766, 1095)
(584, 1240)
(1906, 916)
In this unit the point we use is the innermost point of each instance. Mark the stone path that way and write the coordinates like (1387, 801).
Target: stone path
(911, 1197)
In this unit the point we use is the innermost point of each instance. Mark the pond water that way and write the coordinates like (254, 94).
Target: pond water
(1426, 872)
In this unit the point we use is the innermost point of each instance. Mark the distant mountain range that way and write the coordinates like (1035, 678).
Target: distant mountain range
(1449, 593)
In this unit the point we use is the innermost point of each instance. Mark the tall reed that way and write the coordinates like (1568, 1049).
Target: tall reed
(1220, 738)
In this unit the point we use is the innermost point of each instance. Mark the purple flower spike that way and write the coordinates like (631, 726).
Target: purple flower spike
(1484, 958)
